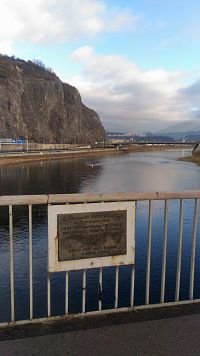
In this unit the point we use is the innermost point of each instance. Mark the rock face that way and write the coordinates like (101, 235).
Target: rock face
(196, 149)
(36, 104)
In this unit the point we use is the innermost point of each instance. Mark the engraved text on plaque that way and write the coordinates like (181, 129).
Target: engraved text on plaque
(91, 234)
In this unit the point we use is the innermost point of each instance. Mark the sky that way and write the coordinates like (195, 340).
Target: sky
(137, 63)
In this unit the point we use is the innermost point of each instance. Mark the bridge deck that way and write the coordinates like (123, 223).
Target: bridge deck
(174, 336)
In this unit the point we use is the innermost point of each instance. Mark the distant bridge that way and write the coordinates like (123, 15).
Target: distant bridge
(166, 143)
(154, 144)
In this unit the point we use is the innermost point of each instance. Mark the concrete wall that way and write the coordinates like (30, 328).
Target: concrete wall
(38, 146)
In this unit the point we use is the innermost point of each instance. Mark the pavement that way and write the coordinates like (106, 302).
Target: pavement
(172, 336)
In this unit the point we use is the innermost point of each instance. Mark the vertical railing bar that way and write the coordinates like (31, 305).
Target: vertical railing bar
(67, 289)
(12, 297)
(132, 285)
(148, 267)
(162, 295)
(133, 266)
(116, 286)
(48, 286)
(84, 291)
(30, 264)
(100, 287)
(178, 273)
(49, 293)
(192, 263)
(66, 292)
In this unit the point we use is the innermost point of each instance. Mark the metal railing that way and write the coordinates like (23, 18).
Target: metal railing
(31, 200)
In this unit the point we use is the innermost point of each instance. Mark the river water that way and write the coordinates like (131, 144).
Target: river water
(143, 171)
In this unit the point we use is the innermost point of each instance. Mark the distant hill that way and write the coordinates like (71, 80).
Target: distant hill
(36, 104)
(147, 137)
(188, 131)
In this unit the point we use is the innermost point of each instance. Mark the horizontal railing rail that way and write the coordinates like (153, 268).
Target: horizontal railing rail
(95, 197)
(48, 199)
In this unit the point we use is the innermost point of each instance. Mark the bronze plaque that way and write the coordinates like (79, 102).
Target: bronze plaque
(90, 235)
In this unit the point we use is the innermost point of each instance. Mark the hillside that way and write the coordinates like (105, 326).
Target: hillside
(188, 131)
(36, 104)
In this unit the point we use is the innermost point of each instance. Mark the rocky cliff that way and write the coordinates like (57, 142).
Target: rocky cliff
(36, 104)
(196, 149)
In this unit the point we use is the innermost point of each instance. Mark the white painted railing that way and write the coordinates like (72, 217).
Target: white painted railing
(31, 200)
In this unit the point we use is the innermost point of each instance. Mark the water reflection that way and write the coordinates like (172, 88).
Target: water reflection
(152, 171)
(64, 176)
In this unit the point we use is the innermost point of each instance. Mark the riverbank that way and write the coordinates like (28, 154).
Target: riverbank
(26, 157)
(194, 159)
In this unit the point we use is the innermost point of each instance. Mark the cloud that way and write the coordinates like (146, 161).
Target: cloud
(6, 47)
(191, 96)
(58, 20)
(127, 97)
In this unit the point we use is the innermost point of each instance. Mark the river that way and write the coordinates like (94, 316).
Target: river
(142, 171)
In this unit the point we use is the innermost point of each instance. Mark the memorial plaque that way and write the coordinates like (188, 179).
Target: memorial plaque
(91, 234)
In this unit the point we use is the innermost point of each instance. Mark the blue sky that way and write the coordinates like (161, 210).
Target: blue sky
(135, 62)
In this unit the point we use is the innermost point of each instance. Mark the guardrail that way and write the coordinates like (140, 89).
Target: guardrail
(9, 202)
